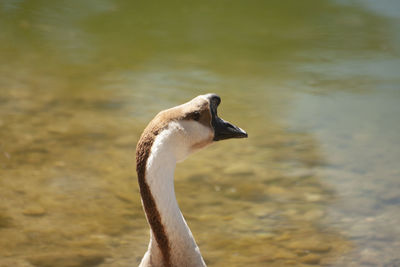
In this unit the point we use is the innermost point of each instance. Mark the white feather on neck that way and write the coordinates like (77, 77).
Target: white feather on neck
(173, 145)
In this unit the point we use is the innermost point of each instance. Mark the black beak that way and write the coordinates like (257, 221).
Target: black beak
(223, 129)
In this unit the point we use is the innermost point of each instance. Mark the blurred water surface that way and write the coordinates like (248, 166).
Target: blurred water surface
(315, 83)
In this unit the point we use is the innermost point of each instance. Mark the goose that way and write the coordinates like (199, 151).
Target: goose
(169, 138)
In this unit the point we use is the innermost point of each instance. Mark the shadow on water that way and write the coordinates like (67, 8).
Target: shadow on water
(79, 82)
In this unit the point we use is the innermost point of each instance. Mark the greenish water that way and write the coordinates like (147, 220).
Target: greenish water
(315, 83)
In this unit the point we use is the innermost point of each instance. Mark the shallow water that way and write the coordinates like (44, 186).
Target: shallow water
(315, 84)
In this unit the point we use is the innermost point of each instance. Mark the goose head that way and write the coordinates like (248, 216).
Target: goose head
(194, 125)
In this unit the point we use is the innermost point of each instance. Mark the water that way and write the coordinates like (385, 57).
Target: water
(315, 84)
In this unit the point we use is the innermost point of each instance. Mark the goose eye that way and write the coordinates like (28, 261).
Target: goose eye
(196, 115)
